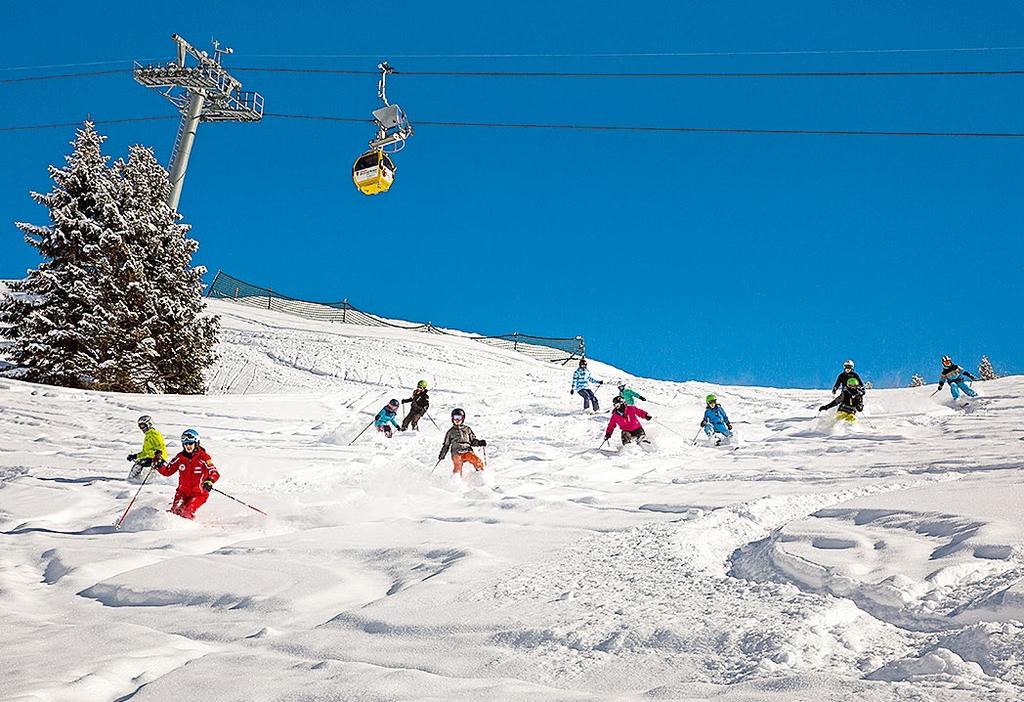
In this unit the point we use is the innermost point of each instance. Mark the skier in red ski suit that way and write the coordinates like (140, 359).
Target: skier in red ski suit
(196, 475)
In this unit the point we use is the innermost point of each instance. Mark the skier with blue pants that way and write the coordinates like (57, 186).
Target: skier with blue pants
(954, 375)
(581, 382)
(716, 421)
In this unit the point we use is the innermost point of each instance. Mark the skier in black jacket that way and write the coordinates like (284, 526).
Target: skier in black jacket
(847, 373)
(420, 404)
(850, 401)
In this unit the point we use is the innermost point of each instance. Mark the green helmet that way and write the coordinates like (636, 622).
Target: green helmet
(852, 382)
(711, 399)
(422, 384)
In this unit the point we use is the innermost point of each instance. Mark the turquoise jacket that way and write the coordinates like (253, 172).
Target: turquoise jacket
(385, 416)
(630, 396)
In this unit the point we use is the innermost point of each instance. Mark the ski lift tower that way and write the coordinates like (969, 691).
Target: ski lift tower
(204, 92)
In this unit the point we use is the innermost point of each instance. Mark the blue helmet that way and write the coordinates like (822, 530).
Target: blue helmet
(190, 436)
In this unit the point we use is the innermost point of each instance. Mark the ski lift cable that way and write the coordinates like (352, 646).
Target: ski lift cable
(61, 76)
(571, 127)
(60, 125)
(673, 130)
(589, 74)
(562, 74)
(638, 54)
(659, 54)
(127, 62)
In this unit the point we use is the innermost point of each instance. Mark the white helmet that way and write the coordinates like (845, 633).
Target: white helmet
(848, 364)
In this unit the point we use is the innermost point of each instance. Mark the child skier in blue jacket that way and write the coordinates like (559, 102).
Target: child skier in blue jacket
(716, 421)
(386, 418)
(954, 375)
(581, 382)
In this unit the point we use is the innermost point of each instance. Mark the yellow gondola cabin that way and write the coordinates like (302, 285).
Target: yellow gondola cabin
(373, 173)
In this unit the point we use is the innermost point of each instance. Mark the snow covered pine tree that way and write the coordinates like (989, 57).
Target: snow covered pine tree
(916, 381)
(115, 304)
(985, 370)
(183, 339)
(54, 320)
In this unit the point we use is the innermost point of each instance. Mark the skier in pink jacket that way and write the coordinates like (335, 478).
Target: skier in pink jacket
(625, 417)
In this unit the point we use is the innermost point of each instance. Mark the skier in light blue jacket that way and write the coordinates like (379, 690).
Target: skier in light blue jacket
(385, 419)
(581, 382)
(716, 421)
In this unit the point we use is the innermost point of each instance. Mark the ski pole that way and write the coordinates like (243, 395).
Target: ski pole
(119, 522)
(431, 420)
(241, 503)
(934, 393)
(485, 455)
(697, 436)
(669, 428)
(361, 433)
(437, 464)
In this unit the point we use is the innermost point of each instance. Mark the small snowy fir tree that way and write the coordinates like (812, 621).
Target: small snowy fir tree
(183, 339)
(916, 381)
(985, 370)
(52, 322)
(868, 385)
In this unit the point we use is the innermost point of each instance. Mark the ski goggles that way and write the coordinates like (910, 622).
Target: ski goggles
(186, 444)
(458, 419)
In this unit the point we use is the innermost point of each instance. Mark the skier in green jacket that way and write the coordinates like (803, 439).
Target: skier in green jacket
(630, 396)
(154, 450)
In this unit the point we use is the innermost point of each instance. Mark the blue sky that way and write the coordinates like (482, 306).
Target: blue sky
(733, 258)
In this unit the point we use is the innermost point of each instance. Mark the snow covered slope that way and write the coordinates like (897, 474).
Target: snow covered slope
(877, 562)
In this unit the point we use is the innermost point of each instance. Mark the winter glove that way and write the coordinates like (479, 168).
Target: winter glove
(704, 422)
(728, 426)
(607, 436)
(572, 392)
(401, 428)
(822, 408)
(650, 416)
(440, 457)
(600, 382)
(406, 400)
(131, 456)
(207, 485)
(642, 398)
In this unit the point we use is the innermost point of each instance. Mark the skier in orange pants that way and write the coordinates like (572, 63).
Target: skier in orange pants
(461, 440)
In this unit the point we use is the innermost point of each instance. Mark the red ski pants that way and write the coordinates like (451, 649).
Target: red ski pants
(186, 505)
(468, 457)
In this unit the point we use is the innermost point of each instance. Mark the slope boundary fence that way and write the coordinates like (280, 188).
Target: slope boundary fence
(545, 348)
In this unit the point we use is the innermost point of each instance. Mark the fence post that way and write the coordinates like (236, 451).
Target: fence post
(515, 341)
(236, 293)
(270, 296)
(213, 284)
(344, 309)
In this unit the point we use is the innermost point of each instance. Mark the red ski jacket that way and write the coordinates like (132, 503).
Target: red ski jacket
(627, 421)
(192, 471)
